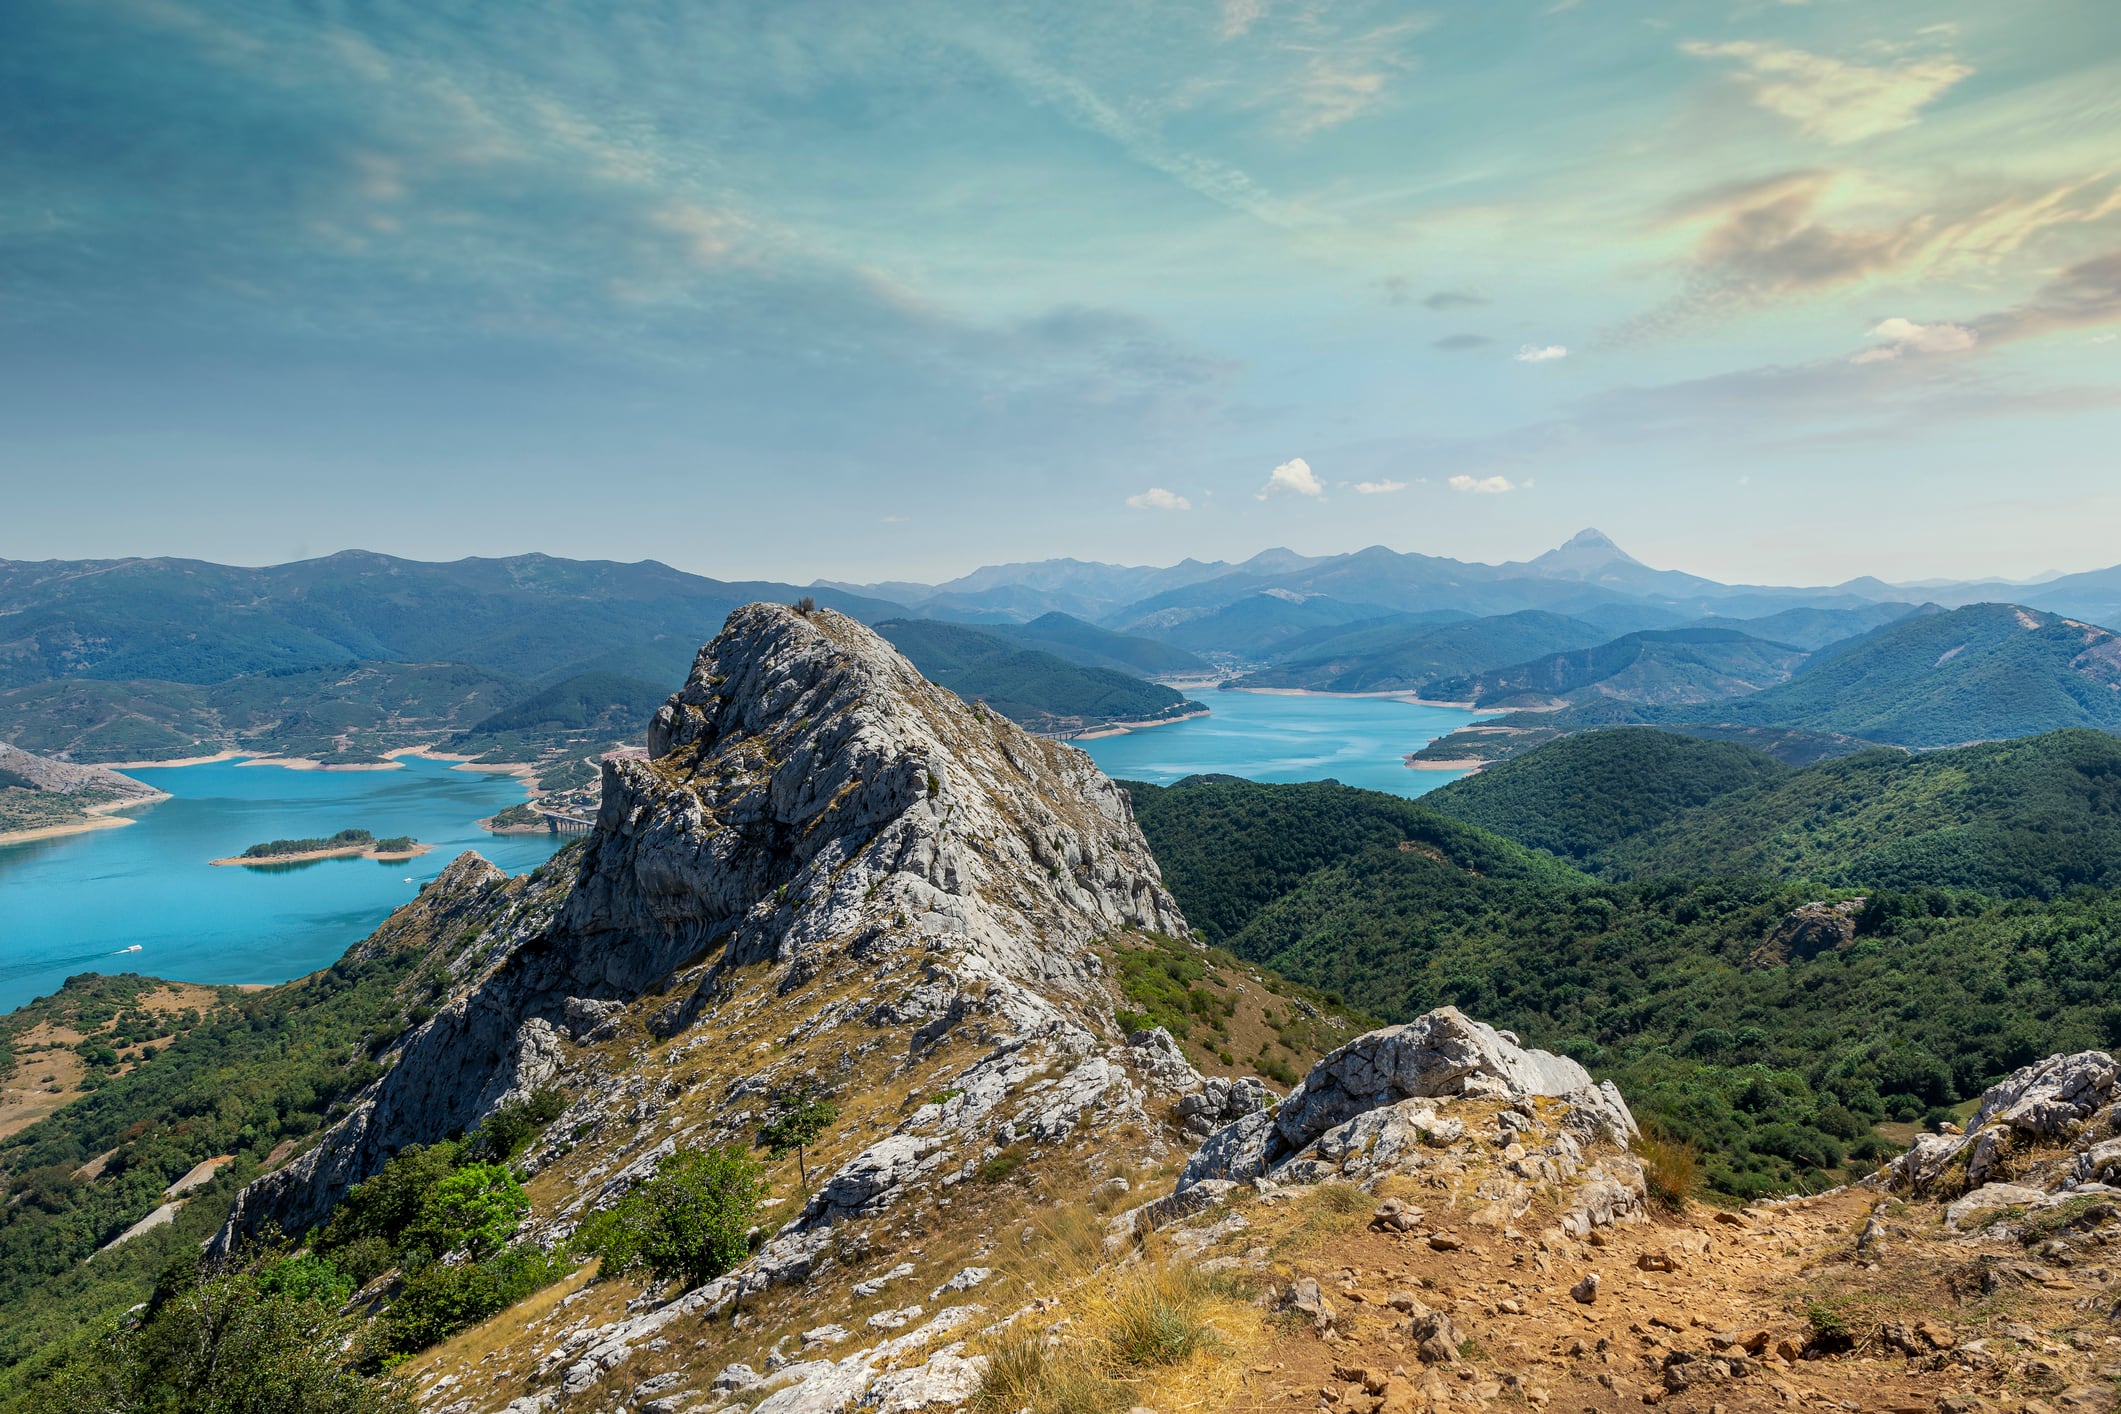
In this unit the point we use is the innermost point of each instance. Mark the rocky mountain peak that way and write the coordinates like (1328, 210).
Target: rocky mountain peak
(818, 831)
(809, 790)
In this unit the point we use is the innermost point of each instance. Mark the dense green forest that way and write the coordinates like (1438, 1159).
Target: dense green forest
(2036, 817)
(1772, 1057)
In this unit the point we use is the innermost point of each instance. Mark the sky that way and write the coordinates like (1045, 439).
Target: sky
(1772, 292)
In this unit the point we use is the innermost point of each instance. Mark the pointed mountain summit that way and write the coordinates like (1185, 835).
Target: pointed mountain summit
(1585, 555)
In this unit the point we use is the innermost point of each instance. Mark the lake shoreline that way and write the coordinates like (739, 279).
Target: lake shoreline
(1393, 696)
(1112, 729)
(102, 816)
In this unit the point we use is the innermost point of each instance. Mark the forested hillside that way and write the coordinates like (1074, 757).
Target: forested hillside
(1730, 1011)
(1034, 688)
(2033, 817)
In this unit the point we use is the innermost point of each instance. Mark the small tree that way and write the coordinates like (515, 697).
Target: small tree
(692, 1220)
(805, 1115)
(475, 1210)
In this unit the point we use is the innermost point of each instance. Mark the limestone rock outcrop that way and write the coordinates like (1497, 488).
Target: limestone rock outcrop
(2051, 1129)
(813, 805)
(1378, 1094)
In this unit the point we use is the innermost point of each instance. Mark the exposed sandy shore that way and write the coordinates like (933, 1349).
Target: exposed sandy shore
(101, 816)
(346, 852)
(1468, 764)
(303, 763)
(1124, 728)
(174, 761)
(1395, 696)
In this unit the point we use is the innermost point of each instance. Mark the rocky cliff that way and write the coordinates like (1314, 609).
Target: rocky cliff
(814, 808)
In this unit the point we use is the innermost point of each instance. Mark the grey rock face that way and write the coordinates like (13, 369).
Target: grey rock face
(2059, 1098)
(811, 802)
(1443, 1053)
(1374, 1099)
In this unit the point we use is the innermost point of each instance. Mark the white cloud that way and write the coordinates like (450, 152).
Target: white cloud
(1292, 477)
(1541, 353)
(1378, 488)
(1905, 336)
(1156, 498)
(1483, 486)
(2105, 338)
(1830, 99)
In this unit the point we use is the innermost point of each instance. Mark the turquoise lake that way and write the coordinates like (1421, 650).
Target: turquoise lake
(74, 904)
(71, 904)
(1358, 741)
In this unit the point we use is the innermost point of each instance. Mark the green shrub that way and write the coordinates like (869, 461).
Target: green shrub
(691, 1221)
(474, 1210)
(509, 1129)
(442, 1298)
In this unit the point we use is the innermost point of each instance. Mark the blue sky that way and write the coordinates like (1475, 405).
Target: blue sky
(1768, 291)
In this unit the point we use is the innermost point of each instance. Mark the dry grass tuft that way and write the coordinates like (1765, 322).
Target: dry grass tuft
(1671, 1168)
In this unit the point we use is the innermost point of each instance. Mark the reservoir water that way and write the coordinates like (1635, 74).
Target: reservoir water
(1358, 741)
(73, 904)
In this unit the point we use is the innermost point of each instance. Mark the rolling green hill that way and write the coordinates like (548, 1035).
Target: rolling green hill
(1681, 665)
(1582, 796)
(1036, 689)
(1778, 1068)
(1985, 672)
(1418, 659)
(2032, 817)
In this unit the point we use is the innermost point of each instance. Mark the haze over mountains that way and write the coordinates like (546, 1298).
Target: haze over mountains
(356, 654)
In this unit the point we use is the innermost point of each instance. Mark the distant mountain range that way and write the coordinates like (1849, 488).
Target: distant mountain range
(357, 653)
(1589, 570)
(1985, 672)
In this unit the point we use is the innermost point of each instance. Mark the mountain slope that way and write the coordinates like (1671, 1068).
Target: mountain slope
(1984, 672)
(1040, 690)
(2032, 817)
(1424, 658)
(1087, 645)
(1657, 666)
(1777, 1060)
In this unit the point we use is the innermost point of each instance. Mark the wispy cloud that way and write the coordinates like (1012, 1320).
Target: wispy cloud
(1082, 105)
(1452, 299)
(1462, 343)
(1482, 485)
(1293, 477)
(1905, 336)
(1540, 353)
(1156, 498)
(1831, 99)
(1378, 488)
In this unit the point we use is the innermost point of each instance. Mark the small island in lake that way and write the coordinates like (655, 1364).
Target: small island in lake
(347, 844)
